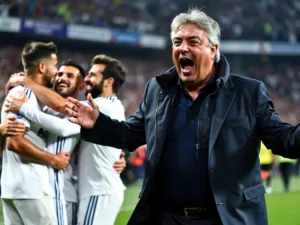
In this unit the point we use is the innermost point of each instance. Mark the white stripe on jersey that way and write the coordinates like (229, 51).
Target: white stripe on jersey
(20, 178)
(56, 144)
(96, 173)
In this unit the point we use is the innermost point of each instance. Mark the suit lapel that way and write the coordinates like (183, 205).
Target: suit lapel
(163, 114)
(224, 103)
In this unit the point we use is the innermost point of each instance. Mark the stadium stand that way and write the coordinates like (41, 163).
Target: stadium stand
(245, 20)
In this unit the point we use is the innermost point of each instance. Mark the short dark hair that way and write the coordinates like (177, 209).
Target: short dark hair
(71, 62)
(34, 52)
(113, 69)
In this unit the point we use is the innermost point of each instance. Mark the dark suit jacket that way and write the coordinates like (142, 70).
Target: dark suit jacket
(244, 116)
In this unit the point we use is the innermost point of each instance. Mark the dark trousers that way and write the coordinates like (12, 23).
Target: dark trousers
(167, 218)
(286, 171)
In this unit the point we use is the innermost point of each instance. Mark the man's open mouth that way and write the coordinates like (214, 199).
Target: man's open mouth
(186, 65)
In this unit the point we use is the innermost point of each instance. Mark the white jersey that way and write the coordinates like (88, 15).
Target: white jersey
(62, 136)
(96, 173)
(70, 191)
(22, 179)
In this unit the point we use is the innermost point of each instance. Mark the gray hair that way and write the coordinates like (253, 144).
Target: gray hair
(198, 17)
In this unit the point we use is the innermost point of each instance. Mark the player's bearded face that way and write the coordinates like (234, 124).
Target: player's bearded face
(94, 89)
(51, 71)
(65, 88)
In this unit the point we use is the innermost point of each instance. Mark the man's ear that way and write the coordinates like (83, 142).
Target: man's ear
(214, 50)
(42, 67)
(109, 82)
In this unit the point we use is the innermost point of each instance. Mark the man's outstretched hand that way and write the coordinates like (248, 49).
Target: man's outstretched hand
(82, 114)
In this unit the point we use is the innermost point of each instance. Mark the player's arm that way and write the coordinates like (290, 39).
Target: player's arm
(45, 95)
(10, 127)
(20, 145)
(53, 124)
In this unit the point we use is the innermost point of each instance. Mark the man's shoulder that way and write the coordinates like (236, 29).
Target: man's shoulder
(18, 90)
(111, 103)
(153, 85)
(242, 81)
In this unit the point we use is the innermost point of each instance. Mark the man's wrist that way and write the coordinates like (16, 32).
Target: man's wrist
(26, 82)
(51, 160)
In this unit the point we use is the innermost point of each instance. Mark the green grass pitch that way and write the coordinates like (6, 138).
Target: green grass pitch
(283, 208)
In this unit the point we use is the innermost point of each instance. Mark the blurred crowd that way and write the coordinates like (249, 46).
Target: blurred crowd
(274, 20)
(282, 80)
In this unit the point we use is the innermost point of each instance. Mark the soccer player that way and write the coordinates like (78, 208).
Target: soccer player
(62, 134)
(101, 191)
(63, 86)
(26, 191)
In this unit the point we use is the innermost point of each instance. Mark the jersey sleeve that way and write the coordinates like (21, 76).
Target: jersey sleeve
(113, 109)
(53, 124)
(17, 93)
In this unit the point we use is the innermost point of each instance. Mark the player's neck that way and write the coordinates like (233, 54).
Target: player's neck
(36, 77)
(107, 94)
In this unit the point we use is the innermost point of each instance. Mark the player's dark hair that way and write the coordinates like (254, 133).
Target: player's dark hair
(35, 52)
(113, 69)
(73, 63)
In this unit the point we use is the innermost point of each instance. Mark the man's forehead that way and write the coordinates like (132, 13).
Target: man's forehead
(96, 68)
(68, 69)
(189, 30)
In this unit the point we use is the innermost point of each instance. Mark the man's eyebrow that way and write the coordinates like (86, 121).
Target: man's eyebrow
(68, 73)
(195, 37)
(177, 38)
(189, 38)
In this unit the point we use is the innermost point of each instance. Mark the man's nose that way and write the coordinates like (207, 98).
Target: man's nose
(87, 78)
(183, 48)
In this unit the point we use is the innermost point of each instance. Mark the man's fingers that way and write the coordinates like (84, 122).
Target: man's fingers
(122, 155)
(15, 133)
(15, 124)
(73, 120)
(66, 154)
(71, 106)
(9, 99)
(70, 112)
(12, 118)
(91, 101)
(73, 100)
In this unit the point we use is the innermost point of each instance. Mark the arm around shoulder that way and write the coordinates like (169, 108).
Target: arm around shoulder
(46, 96)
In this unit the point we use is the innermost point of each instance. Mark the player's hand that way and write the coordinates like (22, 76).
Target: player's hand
(81, 114)
(13, 104)
(61, 161)
(15, 80)
(12, 127)
(120, 164)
